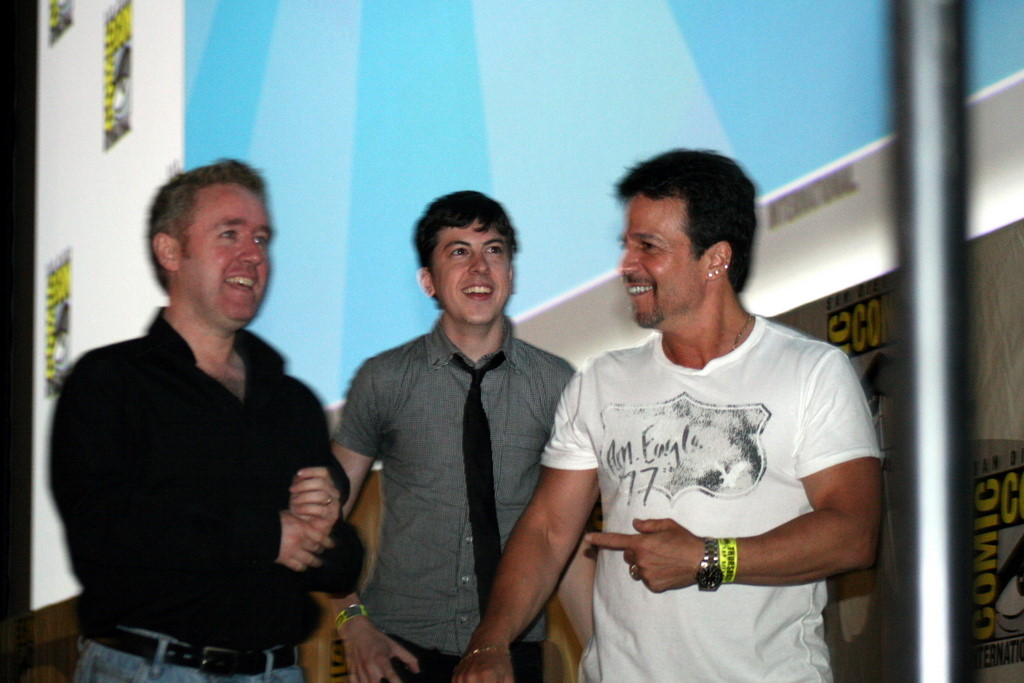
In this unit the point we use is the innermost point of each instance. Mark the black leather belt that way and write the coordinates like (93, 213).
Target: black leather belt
(215, 660)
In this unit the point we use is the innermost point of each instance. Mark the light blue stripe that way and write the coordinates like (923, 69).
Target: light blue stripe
(795, 89)
(420, 135)
(226, 58)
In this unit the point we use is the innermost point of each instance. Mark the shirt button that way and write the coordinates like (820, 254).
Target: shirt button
(463, 618)
(469, 539)
(464, 579)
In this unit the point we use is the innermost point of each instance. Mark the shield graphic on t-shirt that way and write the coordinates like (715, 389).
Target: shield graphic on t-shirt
(684, 444)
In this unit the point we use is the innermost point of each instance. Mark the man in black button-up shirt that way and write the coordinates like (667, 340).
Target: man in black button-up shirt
(194, 477)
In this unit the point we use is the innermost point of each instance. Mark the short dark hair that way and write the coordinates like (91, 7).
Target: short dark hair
(720, 201)
(459, 210)
(172, 209)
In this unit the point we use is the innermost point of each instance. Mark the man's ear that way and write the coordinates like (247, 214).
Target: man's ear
(718, 256)
(168, 251)
(426, 281)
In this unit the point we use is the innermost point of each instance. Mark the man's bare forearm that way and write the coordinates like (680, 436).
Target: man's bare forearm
(576, 590)
(536, 554)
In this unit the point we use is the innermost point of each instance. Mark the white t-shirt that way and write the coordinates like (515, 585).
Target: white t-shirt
(720, 450)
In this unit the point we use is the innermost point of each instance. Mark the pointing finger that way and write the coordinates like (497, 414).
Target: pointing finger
(650, 526)
(611, 541)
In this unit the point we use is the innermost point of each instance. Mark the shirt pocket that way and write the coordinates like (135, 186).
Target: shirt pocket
(516, 456)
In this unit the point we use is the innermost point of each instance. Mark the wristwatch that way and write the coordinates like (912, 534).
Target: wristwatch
(709, 573)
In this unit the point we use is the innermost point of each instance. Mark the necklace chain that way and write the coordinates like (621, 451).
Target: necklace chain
(743, 329)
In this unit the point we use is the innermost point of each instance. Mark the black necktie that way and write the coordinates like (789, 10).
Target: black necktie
(476, 455)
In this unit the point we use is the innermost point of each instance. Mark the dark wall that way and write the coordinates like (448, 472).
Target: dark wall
(18, 291)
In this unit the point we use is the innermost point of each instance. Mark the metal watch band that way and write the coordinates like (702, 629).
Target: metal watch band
(709, 574)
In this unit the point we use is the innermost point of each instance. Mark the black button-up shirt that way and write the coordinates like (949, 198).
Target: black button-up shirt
(171, 490)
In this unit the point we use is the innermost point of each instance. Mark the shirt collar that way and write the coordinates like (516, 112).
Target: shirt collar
(260, 358)
(440, 349)
(163, 335)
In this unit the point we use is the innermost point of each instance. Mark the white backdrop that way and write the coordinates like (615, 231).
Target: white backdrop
(92, 204)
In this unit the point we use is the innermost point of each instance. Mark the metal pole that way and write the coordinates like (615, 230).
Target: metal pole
(934, 602)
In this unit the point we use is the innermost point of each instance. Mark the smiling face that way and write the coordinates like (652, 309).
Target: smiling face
(218, 271)
(470, 275)
(664, 281)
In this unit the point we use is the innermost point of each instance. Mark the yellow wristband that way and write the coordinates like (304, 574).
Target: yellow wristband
(728, 559)
(354, 610)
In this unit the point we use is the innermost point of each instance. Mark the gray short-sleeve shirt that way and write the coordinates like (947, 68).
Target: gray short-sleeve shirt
(405, 408)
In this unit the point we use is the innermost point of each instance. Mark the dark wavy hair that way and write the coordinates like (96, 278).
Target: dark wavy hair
(459, 210)
(720, 201)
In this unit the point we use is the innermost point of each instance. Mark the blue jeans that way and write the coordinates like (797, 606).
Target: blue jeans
(100, 664)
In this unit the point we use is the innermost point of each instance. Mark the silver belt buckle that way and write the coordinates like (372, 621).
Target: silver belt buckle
(219, 660)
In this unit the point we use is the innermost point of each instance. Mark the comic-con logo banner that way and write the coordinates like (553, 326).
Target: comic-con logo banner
(58, 323)
(860, 318)
(117, 73)
(998, 584)
(61, 14)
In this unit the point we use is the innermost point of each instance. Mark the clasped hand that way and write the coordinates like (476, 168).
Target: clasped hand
(313, 509)
(665, 555)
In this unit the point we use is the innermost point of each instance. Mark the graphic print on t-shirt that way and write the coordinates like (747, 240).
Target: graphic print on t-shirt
(684, 444)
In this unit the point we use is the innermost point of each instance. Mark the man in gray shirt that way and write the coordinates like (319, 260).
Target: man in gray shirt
(407, 407)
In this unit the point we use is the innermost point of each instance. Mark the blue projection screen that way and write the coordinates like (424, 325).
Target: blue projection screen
(360, 113)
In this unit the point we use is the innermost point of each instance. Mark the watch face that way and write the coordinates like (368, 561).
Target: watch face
(709, 578)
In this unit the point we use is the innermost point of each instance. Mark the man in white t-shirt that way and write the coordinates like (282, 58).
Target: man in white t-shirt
(735, 459)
